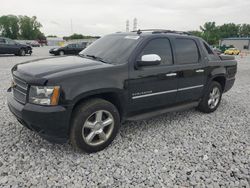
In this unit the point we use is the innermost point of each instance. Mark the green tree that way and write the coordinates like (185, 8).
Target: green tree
(196, 33)
(9, 26)
(228, 30)
(244, 30)
(52, 36)
(210, 32)
(79, 36)
(30, 28)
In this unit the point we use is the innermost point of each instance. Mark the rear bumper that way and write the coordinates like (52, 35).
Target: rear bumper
(229, 84)
(51, 123)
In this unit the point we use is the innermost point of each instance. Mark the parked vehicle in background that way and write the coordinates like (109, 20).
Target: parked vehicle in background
(120, 77)
(70, 49)
(223, 48)
(34, 44)
(232, 51)
(8, 46)
(43, 42)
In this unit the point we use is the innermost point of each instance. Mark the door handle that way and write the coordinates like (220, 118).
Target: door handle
(199, 70)
(171, 74)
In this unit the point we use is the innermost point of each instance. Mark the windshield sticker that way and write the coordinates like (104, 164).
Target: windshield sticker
(132, 37)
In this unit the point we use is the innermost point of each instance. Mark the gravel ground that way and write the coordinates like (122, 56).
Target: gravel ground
(183, 149)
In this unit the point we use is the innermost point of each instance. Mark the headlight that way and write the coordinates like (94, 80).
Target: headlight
(44, 95)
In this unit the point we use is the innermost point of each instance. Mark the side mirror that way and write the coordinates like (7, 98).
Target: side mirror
(149, 60)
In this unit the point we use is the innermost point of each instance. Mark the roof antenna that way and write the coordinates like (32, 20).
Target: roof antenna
(139, 32)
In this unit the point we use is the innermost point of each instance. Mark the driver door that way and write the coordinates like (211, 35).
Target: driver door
(154, 86)
(2, 46)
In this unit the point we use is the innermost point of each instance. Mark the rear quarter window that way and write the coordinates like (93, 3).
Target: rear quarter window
(186, 51)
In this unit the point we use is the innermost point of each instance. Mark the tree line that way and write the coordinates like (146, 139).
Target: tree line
(212, 33)
(21, 27)
(79, 36)
(28, 28)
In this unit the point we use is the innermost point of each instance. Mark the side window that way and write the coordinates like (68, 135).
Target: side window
(2, 41)
(10, 41)
(186, 51)
(71, 45)
(211, 55)
(161, 47)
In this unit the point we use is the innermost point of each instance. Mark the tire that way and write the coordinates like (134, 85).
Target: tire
(22, 52)
(61, 52)
(89, 132)
(210, 100)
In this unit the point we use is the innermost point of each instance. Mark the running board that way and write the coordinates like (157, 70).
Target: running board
(151, 114)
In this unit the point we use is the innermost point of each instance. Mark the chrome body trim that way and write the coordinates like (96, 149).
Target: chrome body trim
(169, 91)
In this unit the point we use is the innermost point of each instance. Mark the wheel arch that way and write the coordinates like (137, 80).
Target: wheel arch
(221, 79)
(114, 96)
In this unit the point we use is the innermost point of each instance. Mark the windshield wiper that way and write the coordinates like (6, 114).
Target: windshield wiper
(94, 57)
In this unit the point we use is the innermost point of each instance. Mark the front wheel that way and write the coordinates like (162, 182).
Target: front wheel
(95, 124)
(61, 53)
(211, 99)
(22, 52)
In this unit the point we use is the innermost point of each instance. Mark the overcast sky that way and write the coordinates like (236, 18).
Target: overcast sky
(99, 17)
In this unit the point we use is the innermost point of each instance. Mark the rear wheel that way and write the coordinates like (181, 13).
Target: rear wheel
(211, 99)
(94, 126)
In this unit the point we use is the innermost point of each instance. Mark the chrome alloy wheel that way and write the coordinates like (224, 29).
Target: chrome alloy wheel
(214, 98)
(98, 128)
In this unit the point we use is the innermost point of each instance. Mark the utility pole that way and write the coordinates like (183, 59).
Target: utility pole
(135, 24)
(71, 26)
(127, 26)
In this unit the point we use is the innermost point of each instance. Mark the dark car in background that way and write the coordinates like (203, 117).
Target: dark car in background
(70, 49)
(8, 46)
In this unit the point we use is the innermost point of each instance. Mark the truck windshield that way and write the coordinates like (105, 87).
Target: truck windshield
(113, 49)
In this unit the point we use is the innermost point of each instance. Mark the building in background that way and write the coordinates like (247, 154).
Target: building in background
(55, 41)
(241, 43)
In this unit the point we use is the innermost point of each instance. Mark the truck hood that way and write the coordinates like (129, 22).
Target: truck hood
(41, 68)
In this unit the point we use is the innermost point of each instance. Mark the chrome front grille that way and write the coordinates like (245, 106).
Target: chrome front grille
(20, 90)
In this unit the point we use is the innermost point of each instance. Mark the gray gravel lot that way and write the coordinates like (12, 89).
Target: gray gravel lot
(181, 149)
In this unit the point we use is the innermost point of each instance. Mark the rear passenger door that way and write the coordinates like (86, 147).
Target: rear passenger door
(190, 69)
(12, 47)
(3, 46)
(154, 86)
(71, 49)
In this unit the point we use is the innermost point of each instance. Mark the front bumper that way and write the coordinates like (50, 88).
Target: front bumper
(53, 52)
(50, 122)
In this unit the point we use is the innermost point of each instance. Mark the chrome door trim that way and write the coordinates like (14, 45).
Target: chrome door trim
(169, 91)
(192, 87)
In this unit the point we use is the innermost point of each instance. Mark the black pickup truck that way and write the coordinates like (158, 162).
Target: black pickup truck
(120, 77)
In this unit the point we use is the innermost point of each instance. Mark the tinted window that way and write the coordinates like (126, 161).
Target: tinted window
(186, 51)
(72, 45)
(208, 49)
(10, 41)
(159, 47)
(114, 49)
